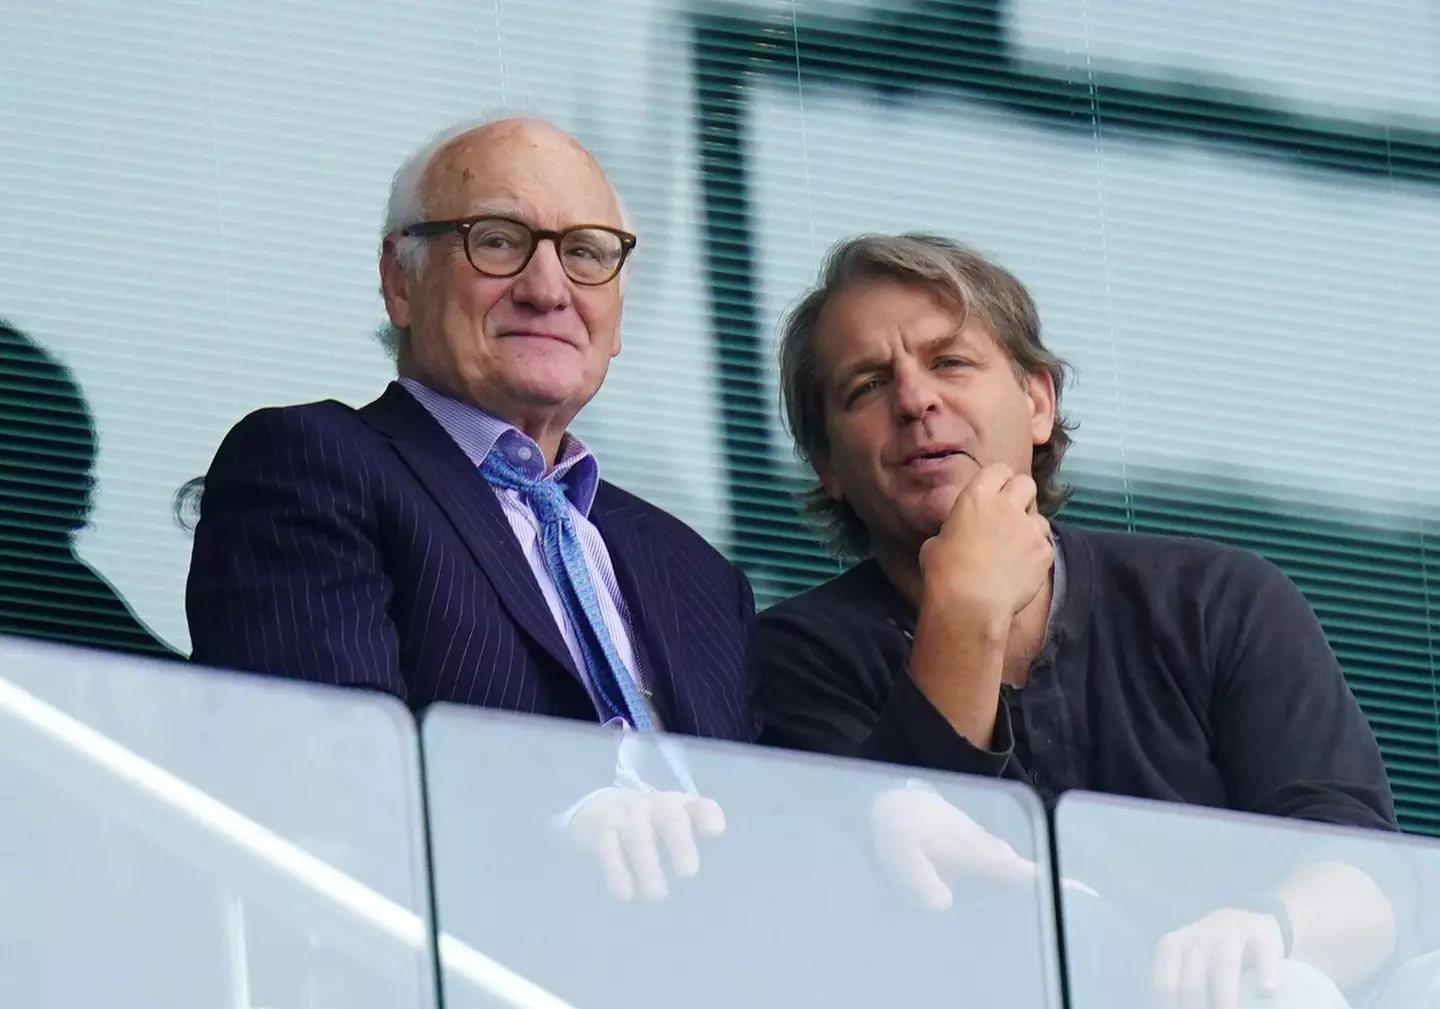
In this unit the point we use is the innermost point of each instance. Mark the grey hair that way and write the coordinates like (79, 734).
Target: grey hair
(959, 277)
(406, 205)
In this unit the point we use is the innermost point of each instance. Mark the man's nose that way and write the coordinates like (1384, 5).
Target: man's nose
(915, 394)
(543, 284)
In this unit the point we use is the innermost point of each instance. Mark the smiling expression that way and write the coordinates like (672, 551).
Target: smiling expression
(533, 348)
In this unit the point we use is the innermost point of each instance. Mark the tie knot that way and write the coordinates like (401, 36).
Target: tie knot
(546, 497)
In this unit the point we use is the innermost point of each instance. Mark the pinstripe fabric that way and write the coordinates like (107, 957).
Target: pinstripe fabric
(477, 433)
(362, 548)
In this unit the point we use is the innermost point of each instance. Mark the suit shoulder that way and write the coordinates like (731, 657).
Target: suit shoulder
(304, 421)
(325, 441)
(311, 434)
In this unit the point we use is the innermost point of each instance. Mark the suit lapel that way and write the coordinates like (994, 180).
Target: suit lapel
(645, 585)
(446, 472)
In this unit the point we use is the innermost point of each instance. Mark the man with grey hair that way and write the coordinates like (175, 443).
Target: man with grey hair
(453, 541)
(976, 634)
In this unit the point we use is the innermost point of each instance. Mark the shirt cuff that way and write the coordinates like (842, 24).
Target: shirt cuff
(912, 731)
(562, 820)
(627, 775)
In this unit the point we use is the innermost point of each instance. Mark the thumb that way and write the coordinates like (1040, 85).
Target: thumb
(912, 867)
(999, 862)
(926, 549)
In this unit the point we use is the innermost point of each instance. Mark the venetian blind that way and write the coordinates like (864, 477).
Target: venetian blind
(1229, 214)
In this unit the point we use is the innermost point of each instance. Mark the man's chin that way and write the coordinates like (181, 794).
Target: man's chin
(933, 509)
(553, 387)
(917, 526)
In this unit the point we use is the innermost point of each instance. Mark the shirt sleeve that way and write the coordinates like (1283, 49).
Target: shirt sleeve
(840, 687)
(1290, 738)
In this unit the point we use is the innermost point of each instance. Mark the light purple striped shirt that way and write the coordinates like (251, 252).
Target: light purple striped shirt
(478, 433)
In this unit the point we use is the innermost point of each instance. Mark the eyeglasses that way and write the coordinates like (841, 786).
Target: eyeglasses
(590, 254)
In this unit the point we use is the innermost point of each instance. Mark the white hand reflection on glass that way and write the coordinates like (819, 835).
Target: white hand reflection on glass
(1340, 928)
(927, 846)
(1202, 966)
(623, 830)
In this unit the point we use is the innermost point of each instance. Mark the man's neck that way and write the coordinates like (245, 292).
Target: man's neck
(546, 428)
(1026, 636)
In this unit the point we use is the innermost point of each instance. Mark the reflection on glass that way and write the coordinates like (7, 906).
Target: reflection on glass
(778, 880)
(190, 838)
(1196, 908)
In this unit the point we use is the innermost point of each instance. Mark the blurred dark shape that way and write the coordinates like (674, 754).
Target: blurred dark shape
(47, 459)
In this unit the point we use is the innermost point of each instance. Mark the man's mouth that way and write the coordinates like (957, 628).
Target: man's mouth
(533, 335)
(931, 457)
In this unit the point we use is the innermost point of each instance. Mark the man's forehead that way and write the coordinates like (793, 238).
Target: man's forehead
(847, 341)
(515, 163)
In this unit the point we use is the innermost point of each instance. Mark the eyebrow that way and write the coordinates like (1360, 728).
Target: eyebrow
(879, 365)
(513, 213)
(497, 210)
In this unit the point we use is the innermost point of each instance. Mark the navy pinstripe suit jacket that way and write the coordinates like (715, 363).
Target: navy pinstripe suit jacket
(361, 547)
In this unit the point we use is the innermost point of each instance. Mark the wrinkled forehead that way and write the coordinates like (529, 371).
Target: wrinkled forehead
(526, 169)
(884, 315)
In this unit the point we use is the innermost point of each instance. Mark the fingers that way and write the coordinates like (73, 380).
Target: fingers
(993, 859)
(676, 829)
(926, 846)
(1021, 491)
(1203, 966)
(976, 854)
(1194, 974)
(679, 820)
(1186, 963)
(990, 480)
(1166, 968)
(625, 831)
(708, 817)
(610, 853)
(637, 832)
(1227, 963)
(1268, 952)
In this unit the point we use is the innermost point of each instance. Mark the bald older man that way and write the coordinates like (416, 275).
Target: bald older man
(452, 541)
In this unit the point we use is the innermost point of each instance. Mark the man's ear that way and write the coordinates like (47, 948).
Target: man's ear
(395, 283)
(1040, 389)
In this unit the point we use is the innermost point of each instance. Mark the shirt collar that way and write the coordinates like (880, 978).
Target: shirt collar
(479, 433)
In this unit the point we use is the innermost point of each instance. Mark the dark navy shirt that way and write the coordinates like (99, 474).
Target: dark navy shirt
(1173, 669)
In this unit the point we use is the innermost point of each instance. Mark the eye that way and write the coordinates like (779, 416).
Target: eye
(497, 240)
(867, 386)
(951, 362)
(583, 250)
(592, 247)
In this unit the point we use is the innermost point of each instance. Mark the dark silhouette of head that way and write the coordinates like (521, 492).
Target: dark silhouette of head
(47, 446)
(47, 461)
